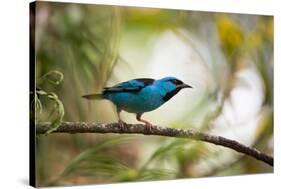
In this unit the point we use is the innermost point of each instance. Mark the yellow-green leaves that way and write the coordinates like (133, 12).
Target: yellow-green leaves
(93, 162)
(56, 108)
(230, 34)
(54, 77)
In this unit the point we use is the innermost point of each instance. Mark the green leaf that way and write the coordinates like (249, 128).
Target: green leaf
(59, 108)
(165, 150)
(152, 174)
(54, 77)
(93, 160)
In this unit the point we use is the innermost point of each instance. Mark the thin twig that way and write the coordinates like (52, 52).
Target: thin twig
(82, 127)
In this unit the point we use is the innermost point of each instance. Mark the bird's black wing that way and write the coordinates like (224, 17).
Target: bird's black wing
(146, 81)
(134, 85)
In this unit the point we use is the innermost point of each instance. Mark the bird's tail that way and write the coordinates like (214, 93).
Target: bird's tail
(93, 96)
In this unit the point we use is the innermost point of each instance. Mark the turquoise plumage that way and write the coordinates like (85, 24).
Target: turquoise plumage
(140, 95)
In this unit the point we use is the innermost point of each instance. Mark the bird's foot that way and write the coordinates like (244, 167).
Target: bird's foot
(121, 124)
(148, 126)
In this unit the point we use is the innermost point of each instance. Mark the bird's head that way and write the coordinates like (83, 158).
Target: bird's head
(170, 86)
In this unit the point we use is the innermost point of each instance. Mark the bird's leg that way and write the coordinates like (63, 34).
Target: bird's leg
(147, 124)
(121, 123)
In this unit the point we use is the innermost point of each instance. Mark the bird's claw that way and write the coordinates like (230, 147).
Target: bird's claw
(149, 126)
(122, 125)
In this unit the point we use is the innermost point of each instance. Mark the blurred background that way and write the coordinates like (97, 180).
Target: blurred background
(226, 58)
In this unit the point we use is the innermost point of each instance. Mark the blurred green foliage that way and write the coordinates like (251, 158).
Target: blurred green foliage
(79, 49)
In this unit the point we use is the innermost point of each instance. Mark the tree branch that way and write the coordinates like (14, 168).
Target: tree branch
(82, 127)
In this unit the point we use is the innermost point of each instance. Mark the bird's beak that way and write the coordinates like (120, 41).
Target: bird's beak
(184, 86)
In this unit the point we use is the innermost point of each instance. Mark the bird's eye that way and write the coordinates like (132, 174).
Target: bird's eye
(176, 81)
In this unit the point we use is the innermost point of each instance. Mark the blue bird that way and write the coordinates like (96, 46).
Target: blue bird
(140, 95)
